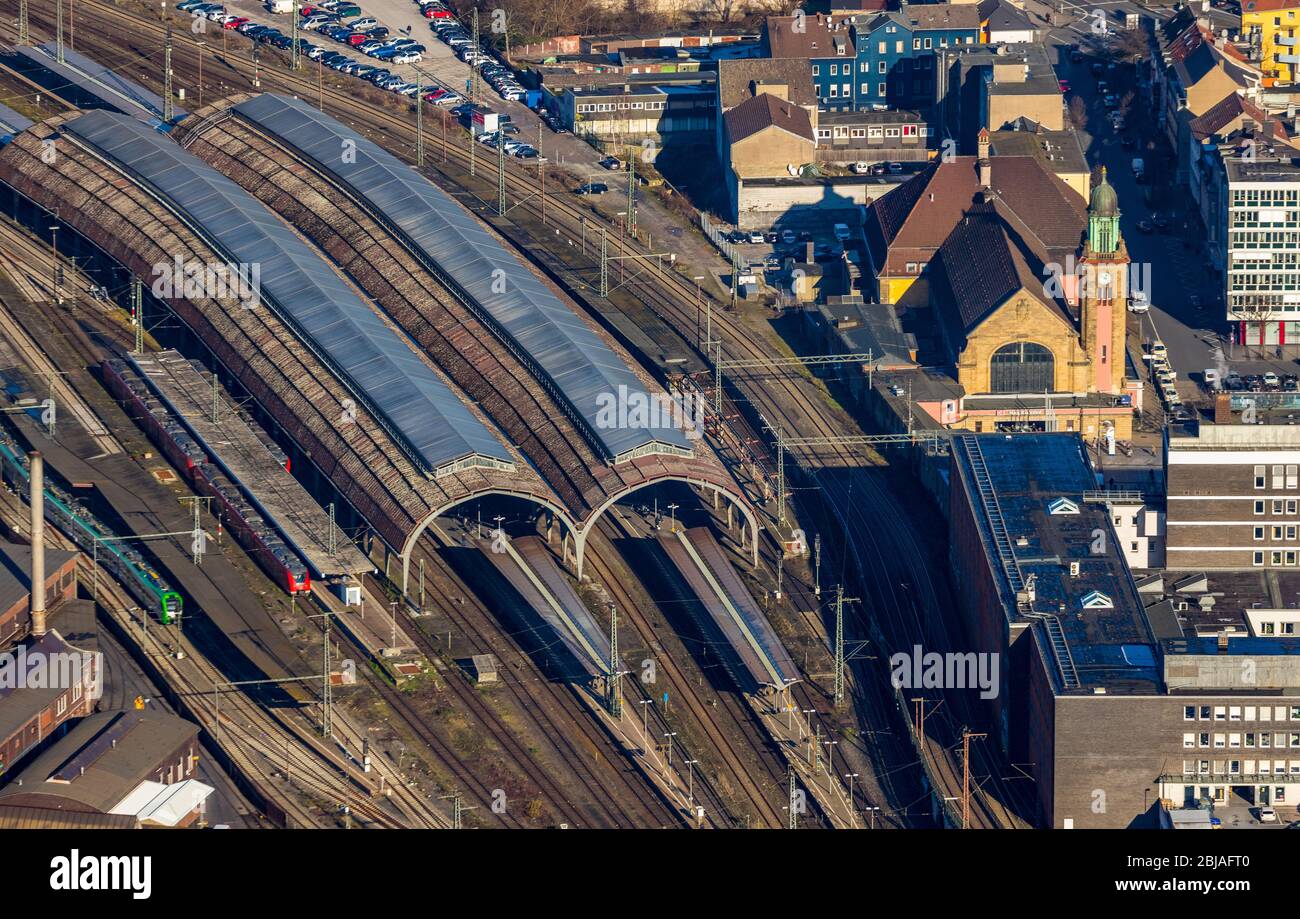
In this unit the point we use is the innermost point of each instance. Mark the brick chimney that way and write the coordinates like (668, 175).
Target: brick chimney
(1223, 408)
(37, 502)
(984, 164)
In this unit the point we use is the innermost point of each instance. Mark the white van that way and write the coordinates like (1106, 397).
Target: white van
(1139, 302)
(1211, 377)
(842, 232)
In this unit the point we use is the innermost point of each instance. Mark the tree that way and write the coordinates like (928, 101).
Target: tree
(1078, 113)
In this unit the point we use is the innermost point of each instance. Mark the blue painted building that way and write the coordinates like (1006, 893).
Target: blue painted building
(874, 60)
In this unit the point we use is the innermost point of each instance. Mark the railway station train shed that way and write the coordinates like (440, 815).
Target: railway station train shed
(389, 415)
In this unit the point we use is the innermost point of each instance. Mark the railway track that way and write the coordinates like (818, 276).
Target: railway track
(546, 704)
(618, 581)
(783, 398)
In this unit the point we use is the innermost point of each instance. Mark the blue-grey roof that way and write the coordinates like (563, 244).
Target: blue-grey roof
(418, 409)
(12, 122)
(562, 348)
(107, 86)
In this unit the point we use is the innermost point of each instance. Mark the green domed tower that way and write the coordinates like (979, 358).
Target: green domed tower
(1103, 219)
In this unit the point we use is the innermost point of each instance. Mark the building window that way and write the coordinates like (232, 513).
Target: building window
(1021, 367)
(1279, 478)
(1257, 559)
(1189, 741)
(881, 68)
(1204, 739)
(1219, 741)
(835, 68)
(916, 44)
(1189, 712)
(1291, 476)
(1259, 507)
(816, 69)
(1259, 476)
(1234, 713)
(61, 706)
(1291, 506)
(1259, 532)
(1277, 507)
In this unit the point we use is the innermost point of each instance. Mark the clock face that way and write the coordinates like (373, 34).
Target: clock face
(1104, 277)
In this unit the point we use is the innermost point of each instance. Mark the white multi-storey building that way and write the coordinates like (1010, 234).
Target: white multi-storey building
(1262, 250)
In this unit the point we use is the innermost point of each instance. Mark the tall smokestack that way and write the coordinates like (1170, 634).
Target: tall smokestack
(38, 543)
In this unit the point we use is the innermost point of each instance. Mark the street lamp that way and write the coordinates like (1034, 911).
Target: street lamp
(850, 776)
(690, 779)
(670, 735)
(645, 716)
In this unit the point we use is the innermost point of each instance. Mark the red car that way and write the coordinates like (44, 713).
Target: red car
(358, 38)
(434, 12)
(1065, 86)
(234, 23)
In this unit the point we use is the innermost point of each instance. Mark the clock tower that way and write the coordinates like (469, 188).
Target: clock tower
(1103, 312)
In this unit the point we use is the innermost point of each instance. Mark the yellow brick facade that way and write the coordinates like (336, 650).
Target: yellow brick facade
(1024, 317)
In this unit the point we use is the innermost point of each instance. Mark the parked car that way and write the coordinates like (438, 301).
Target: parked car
(1267, 815)
(365, 22)
(408, 57)
(591, 188)
(1271, 380)
(611, 163)
(1139, 302)
(755, 237)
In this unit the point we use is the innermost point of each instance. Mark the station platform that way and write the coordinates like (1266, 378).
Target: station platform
(761, 659)
(245, 456)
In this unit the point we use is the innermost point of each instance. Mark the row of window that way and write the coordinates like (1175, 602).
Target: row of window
(1252, 740)
(1287, 533)
(1276, 559)
(1284, 476)
(906, 130)
(1264, 239)
(1263, 197)
(1219, 793)
(654, 106)
(1238, 712)
(836, 70)
(1277, 506)
(1234, 767)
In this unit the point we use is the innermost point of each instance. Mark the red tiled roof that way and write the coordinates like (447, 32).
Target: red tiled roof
(911, 222)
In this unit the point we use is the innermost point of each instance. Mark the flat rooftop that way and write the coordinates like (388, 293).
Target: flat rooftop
(1038, 482)
(1264, 171)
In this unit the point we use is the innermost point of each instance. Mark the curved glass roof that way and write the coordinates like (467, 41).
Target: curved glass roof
(565, 352)
(419, 410)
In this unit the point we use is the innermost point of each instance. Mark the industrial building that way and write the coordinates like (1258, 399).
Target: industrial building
(1116, 698)
(16, 586)
(32, 711)
(138, 764)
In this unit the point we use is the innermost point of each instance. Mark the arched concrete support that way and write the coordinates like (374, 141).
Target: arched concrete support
(413, 537)
(736, 499)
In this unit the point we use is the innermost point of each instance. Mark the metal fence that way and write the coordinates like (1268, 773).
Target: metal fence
(717, 237)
